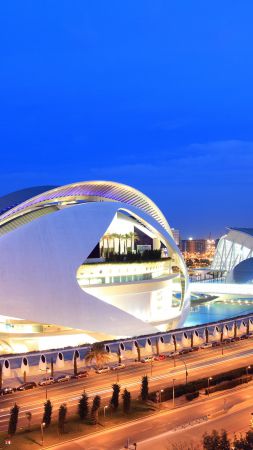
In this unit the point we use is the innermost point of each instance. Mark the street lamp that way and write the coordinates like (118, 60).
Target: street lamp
(42, 370)
(173, 392)
(161, 391)
(105, 408)
(208, 384)
(186, 371)
(42, 426)
(247, 370)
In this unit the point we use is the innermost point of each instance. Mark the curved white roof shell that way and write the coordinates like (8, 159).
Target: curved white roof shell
(92, 191)
(234, 247)
(45, 239)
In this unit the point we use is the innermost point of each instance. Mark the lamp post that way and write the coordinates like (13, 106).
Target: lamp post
(151, 366)
(208, 384)
(247, 371)
(186, 371)
(42, 426)
(173, 392)
(105, 408)
(161, 391)
(42, 370)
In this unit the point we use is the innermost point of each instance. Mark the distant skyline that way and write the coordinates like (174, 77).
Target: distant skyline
(154, 94)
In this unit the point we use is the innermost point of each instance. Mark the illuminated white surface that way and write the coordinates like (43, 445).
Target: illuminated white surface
(45, 254)
(232, 248)
(221, 288)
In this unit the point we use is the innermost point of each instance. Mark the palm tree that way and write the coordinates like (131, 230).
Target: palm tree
(106, 238)
(120, 236)
(134, 237)
(98, 354)
(127, 237)
(114, 236)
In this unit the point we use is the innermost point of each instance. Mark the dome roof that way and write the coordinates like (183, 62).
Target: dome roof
(243, 272)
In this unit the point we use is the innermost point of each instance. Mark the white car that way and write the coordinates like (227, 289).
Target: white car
(118, 366)
(206, 345)
(103, 369)
(62, 378)
(172, 354)
(46, 381)
(147, 359)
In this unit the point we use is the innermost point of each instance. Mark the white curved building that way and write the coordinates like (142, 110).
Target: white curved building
(85, 262)
(233, 248)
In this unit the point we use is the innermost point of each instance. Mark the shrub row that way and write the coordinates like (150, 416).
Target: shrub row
(192, 395)
(238, 375)
(228, 385)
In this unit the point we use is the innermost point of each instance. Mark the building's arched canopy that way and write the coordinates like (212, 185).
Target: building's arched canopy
(90, 191)
(233, 248)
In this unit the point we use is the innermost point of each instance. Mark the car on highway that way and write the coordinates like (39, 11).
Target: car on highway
(81, 374)
(46, 381)
(103, 369)
(7, 390)
(184, 351)
(172, 354)
(195, 348)
(250, 336)
(147, 359)
(118, 366)
(235, 339)
(62, 378)
(244, 336)
(26, 386)
(216, 344)
(159, 358)
(206, 345)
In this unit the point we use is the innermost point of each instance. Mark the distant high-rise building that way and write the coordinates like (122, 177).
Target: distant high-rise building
(194, 245)
(176, 235)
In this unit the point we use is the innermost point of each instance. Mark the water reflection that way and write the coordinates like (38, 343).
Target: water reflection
(222, 307)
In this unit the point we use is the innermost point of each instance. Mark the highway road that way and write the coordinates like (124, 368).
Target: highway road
(185, 425)
(206, 362)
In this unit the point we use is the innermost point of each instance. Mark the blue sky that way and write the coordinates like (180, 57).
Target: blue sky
(155, 94)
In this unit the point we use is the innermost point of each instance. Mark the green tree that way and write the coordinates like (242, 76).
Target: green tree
(98, 354)
(62, 417)
(134, 237)
(115, 396)
(13, 420)
(95, 407)
(47, 413)
(126, 396)
(144, 388)
(244, 443)
(83, 406)
(216, 441)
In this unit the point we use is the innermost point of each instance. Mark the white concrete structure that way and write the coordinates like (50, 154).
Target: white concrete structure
(233, 248)
(54, 293)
